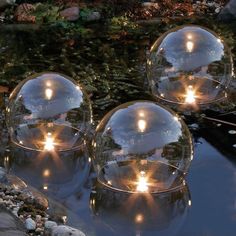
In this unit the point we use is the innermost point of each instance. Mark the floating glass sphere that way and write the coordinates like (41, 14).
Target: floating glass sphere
(189, 65)
(48, 111)
(141, 146)
(152, 214)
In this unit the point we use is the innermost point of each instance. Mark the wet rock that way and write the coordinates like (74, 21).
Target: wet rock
(30, 224)
(93, 16)
(5, 3)
(63, 230)
(23, 13)
(229, 12)
(9, 224)
(70, 14)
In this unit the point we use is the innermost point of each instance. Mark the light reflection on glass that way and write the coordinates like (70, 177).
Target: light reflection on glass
(49, 143)
(48, 93)
(190, 96)
(142, 185)
(189, 46)
(142, 124)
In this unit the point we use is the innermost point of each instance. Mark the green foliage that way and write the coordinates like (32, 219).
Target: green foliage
(46, 13)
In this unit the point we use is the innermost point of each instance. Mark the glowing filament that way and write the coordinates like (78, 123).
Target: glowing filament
(142, 125)
(190, 95)
(142, 185)
(49, 143)
(48, 93)
(189, 46)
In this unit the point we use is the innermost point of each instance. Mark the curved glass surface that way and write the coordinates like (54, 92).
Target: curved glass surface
(48, 111)
(189, 65)
(141, 146)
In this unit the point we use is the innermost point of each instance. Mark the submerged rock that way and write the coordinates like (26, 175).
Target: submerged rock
(229, 12)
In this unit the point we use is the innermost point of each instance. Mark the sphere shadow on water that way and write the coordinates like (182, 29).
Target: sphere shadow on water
(190, 65)
(48, 111)
(140, 214)
(141, 146)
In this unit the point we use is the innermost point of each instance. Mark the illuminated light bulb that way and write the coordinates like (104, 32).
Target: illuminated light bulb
(142, 125)
(139, 218)
(190, 95)
(189, 36)
(142, 185)
(189, 46)
(48, 93)
(48, 84)
(49, 144)
(46, 173)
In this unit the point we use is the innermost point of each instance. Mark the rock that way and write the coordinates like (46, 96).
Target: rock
(9, 224)
(50, 224)
(23, 13)
(93, 16)
(63, 230)
(5, 3)
(30, 224)
(229, 12)
(70, 14)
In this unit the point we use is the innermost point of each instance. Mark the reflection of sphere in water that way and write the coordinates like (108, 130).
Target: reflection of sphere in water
(189, 64)
(141, 146)
(48, 111)
(149, 214)
(56, 175)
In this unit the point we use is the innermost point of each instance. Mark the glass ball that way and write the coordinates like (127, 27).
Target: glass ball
(47, 112)
(141, 146)
(189, 65)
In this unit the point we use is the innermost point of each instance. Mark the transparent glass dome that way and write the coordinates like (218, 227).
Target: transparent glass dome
(48, 111)
(141, 146)
(189, 65)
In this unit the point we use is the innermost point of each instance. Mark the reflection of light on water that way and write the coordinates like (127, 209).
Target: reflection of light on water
(49, 143)
(46, 173)
(139, 218)
(189, 46)
(48, 93)
(190, 96)
(142, 185)
(45, 187)
(142, 124)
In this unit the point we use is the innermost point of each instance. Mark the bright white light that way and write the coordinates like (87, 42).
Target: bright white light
(48, 93)
(49, 143)
(142, 185)
(142, 125)
(189, 36)
(189, 46)
(190, 95)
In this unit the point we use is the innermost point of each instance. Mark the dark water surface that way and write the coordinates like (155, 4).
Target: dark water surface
(113, 72)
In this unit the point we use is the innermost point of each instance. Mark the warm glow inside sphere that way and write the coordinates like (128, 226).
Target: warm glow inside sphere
(141, 146)
(189, 65)
(48, 111)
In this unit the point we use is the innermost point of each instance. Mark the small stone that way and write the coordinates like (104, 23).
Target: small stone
(30, 224)
(63, 230)
(217, 10)
(93, 16)
(38, 218)
(70, 14)
(50, 224)
(24, 12)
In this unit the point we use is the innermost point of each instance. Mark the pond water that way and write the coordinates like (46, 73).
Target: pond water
(113, 71)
